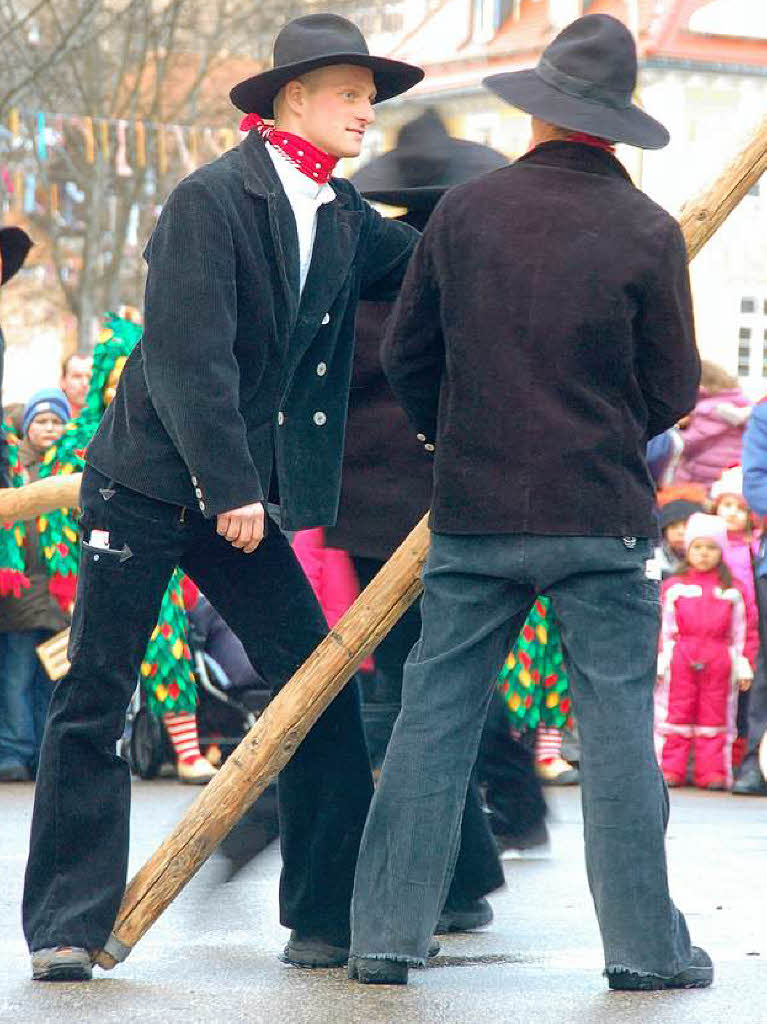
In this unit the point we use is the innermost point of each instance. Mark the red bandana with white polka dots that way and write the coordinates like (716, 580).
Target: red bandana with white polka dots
(312, 162)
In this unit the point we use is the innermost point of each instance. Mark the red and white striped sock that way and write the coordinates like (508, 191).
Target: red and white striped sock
(548, 744)
(182, 730)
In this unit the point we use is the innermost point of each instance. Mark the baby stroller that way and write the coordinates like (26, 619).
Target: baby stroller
(229, 702)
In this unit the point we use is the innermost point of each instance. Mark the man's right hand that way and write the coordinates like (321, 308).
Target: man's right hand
(243, 527)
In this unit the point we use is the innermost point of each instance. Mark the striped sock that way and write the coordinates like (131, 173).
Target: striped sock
(548, 744)
(182, 730)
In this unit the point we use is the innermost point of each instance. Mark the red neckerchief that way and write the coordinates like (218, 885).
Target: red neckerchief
(591, 140)
(314, 163)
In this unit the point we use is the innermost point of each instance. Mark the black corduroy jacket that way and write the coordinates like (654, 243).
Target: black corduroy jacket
(235, 379)
(387, 476)
(544, 332)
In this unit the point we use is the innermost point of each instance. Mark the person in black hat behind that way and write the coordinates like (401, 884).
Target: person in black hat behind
(543, 334)
(234, 399)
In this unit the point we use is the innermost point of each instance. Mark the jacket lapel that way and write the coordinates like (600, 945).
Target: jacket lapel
(335, 247)
(262, 182)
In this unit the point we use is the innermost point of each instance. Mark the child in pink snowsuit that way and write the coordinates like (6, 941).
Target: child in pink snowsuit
(701, 665)
(742, 546)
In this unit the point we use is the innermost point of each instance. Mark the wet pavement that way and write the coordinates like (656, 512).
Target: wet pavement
(213, 955)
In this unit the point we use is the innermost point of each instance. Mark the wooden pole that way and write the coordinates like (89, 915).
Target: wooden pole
(269, 745)
(42, 496)
(706, 214)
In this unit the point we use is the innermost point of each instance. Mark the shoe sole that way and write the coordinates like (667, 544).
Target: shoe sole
(465, 921)
(62, 972)
(333, 956)
(378, 972)
(638, 983)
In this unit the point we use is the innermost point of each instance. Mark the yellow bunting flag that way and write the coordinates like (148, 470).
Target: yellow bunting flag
(90, 140)
(104, 138)
(13, 121)
(140, 144)
(54, 198)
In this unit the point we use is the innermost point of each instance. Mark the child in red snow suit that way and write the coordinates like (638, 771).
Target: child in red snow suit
(701, 665)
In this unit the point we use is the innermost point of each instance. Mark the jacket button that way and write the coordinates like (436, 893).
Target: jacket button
(280, 418)
(421, 437)
(197, 492)
(320, 419)
(202, 506)
(194, 481)
(321, 369)
(326, 320)
(429, 447)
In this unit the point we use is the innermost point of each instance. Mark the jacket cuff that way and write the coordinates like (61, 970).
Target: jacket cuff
(215, 500)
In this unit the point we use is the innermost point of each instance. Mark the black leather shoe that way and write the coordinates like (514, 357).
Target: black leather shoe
(369, 971)
(698, 974)
(750, 782)
(313, 951)
(465, 917)
(310, 951)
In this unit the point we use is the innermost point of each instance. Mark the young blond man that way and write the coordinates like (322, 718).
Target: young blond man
(233, 403)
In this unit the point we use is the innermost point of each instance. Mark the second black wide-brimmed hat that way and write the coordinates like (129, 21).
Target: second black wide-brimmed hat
(585, 81)
(318, 41)
(15, 244)
(425, 163)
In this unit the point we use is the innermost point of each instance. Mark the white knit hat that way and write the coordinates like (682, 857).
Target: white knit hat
(701, 526)
(730, 482)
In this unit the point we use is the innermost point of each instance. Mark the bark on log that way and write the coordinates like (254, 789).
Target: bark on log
(20, 503)
(706, 214)
(271, 742)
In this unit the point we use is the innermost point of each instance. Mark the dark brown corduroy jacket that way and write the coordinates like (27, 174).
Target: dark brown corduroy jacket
(543, 334)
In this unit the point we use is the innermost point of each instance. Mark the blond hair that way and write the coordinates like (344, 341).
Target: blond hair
(715, 379)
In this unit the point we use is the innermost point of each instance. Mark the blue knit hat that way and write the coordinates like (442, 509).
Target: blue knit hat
(48, 400)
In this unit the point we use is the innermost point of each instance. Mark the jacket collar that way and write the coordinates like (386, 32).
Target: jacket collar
(259, 173)
(576, 156)
(335, 243)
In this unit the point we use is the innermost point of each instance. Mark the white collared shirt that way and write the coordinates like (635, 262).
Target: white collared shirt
(305, 197)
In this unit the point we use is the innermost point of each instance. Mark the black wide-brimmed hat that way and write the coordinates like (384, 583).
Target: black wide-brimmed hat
(585, 80)
(425, 163)
(318, 41)
(15, 244)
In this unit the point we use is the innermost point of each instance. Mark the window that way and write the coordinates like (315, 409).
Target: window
(744, 352)
(748, 305)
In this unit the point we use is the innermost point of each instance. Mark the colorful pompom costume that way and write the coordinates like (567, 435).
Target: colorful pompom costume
(533, 681)
(166, 671)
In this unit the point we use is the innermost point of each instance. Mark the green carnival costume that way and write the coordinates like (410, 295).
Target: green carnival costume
(166, 671)
(533, 680)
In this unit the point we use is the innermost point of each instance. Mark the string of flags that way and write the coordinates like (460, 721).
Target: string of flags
(36, 175)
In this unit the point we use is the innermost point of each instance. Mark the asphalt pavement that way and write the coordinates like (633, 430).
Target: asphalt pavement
(213, 955)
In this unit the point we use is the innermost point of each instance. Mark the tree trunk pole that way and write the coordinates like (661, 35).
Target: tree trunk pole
(706, 214)
(270, 744)
(20, 503)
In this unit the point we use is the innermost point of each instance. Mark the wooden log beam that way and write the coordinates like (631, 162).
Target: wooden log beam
(706, 214)
(269, 745)
(20, 503)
